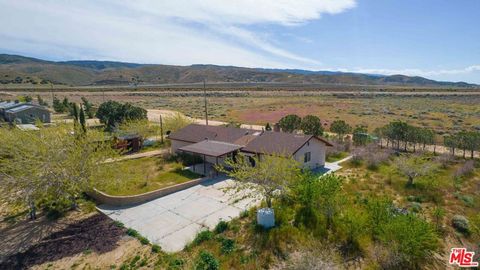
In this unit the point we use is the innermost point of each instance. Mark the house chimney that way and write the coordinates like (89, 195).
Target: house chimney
(276, 127)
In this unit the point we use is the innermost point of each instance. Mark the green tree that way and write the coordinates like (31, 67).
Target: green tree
(268, 127)
(341, 128)
(88, 107)
(290, 123)
(41, 101)
(83, 123)
(360, 135)
(50, 168)
(27, 98)
(329, 196)
(352, 224)
(141, 127)
(58, 106)
(412, 238)
(311, 125)
(112, 113)
(306, 192)
(175, 122)
(74, 111)
(66, 104)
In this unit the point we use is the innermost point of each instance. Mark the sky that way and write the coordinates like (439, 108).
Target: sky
(435, 39)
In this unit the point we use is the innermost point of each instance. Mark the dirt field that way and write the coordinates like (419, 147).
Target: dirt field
(34, 243)
(443, 111)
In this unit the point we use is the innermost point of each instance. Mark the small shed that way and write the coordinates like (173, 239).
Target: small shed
(129, 143)
(27, 114)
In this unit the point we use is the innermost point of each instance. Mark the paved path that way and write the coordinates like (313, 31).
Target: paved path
(331, 167)
(174, 220)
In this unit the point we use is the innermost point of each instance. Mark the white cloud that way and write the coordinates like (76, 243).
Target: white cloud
(169, 32)
(417, 72)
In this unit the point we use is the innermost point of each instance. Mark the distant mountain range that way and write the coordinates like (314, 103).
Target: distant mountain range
(15, 69)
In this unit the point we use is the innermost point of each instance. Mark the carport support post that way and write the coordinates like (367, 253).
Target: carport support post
(204, 165)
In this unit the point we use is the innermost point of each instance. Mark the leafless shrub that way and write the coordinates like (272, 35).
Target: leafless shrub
(444, 160)
(315, 260)
(371, 154)
(386, 257)
(466, 169)
(338, 147)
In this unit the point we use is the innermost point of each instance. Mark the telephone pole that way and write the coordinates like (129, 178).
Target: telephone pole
(205, 98)
(161, 130)
(51, 91)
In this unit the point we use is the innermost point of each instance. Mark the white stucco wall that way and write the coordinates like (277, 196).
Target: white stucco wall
(177, 144)
(317, 151)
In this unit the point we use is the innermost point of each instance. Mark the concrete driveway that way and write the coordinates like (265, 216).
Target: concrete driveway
(173, 220)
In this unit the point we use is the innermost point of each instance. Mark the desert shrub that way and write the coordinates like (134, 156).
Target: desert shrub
(351, 225)
(143, 240)
(119, 224)
(132, 232)
(411, 238)
(316, 258)
(244, 214)
(357, 156)
(438, 214)
(228, 245)
(134, 261)
(445, 160)
(206, 261)
(415, 207)
(467, 200)
(475, 225)
(416, 198)
(279, 240)
(380, 211)
(221, 226)
(461, 224)
(156, 248)
(466, 169)
(202, 237)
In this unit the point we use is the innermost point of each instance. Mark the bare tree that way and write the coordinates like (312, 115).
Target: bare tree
(413, 167)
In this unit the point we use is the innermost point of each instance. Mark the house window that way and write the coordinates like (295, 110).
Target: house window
(307, 157)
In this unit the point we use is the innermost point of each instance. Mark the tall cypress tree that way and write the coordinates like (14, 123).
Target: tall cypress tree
(82, 120)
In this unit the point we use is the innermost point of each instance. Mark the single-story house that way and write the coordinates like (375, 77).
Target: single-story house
(23, 113)
(215, 143)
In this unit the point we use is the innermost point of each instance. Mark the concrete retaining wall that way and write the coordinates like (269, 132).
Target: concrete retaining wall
(103, 198)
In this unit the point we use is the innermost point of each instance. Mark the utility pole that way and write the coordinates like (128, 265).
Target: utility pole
(51, 91)
(161, 129)
(205, 98)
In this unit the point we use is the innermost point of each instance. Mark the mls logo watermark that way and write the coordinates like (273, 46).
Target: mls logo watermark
(463, 258)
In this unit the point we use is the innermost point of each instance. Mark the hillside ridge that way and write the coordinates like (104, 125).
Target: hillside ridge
(17, 69)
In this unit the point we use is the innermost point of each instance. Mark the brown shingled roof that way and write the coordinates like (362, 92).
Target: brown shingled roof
(277, 143)
(265, 142)
(211, 148)
(197, 133)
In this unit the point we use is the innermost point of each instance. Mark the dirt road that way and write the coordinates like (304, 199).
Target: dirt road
(154, 116)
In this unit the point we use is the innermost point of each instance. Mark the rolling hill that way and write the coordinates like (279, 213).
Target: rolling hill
(16, 69)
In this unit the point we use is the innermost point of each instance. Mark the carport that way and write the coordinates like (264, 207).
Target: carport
(212, 149)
